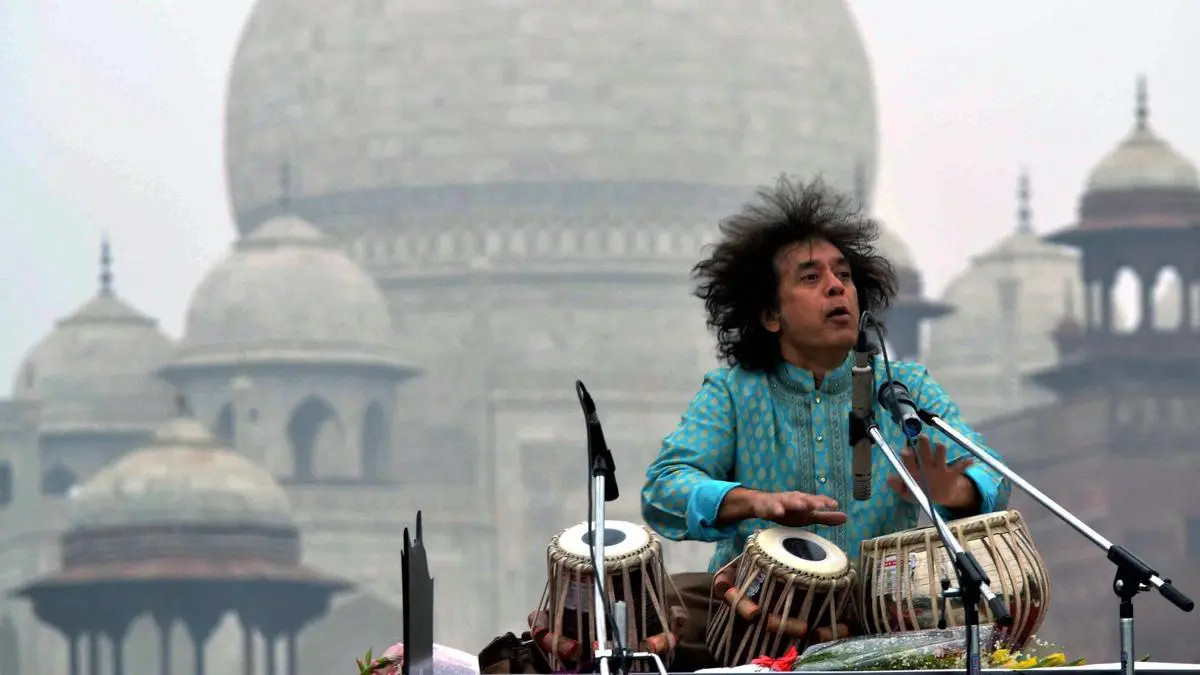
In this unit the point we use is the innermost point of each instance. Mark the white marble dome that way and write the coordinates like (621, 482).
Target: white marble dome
(1143, 160)
(360, 98)
(288, 293)
(97, 370)
(183, 477)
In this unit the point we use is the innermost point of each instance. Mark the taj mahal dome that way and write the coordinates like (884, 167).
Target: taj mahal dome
(447, 213)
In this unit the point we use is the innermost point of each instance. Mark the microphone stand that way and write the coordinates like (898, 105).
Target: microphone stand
(604, 489)
(602, 472)
(1132, 577)
(972, 581)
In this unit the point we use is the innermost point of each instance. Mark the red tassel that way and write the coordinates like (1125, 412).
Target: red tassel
(782, 664)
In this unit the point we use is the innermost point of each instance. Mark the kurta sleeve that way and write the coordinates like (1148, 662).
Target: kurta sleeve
(994, 489)
(689, 479)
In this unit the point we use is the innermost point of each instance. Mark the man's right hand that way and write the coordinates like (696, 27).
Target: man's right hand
(796, 509)
(790, 509)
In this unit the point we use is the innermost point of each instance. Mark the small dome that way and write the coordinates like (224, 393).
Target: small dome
(1143, 160)
(891, 245)
(895, 249)
(97, 370)
(288, 293)
(184, 477)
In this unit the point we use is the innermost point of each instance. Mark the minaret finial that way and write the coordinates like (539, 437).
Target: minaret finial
(860, 184)
(285, 183)
(1024, 210)
(106, 276)
(1142, 111)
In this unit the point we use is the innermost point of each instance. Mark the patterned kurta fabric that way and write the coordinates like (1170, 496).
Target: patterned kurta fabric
(778, 432)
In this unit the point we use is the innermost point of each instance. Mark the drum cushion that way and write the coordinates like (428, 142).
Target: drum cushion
(695, 593)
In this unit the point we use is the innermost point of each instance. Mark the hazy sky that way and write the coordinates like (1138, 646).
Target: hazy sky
(111, 114)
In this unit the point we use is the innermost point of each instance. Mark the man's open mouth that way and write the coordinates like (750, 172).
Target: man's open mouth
(840, 311)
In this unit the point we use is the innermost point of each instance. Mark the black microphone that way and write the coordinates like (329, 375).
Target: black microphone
(896, 398)
(599, 456)
(862, 385)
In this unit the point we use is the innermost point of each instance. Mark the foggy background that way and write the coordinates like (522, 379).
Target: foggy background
(113, 116)
(112, 122)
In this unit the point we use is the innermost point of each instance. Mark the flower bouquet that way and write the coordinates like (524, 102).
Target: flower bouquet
(446, 661)
(925, 650)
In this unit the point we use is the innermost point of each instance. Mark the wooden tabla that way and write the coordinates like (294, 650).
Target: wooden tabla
(902, 573)
(788, 586)
(562, 625)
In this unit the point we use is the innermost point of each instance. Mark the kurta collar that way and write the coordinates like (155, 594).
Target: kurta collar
(802, 381)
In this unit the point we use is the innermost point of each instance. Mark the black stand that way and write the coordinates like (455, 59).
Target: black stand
(1133, 576)
(618, 657)
(417, 586)
(972, 582)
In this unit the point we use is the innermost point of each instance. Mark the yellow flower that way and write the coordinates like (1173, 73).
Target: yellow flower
(1001, 656)
(1021, 665)
(1052, 660)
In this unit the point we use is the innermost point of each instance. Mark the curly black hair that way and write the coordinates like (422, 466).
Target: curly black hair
(739, 281)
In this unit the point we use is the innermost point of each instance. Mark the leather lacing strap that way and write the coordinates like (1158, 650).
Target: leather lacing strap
(792, 595)
(572, 577)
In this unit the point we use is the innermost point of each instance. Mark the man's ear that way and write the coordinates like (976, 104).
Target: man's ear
(770, 321)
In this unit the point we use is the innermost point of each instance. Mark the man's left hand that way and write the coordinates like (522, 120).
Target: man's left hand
(947, 484)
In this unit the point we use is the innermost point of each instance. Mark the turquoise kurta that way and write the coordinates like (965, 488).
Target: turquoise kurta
(778, 432)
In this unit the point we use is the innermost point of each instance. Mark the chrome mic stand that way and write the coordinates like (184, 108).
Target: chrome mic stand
(617, 655)
(604, 490)
(1133, 576)
(972, 581)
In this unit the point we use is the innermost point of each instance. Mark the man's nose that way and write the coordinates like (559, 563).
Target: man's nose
(835, 287)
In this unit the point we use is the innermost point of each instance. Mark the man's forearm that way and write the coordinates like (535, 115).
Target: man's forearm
(737, 506)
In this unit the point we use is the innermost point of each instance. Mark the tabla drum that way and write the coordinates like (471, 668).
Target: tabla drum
(902, 573)
(788, 588)
(562, 626)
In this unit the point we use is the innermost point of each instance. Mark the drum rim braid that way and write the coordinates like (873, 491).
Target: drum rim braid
(961, 527)
(757, 552)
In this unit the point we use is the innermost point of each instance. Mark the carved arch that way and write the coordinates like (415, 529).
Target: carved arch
(313, 426)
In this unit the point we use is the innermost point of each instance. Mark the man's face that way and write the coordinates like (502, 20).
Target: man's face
(818, 304)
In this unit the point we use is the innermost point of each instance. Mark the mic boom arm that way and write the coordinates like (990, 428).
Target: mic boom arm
(1133, 575)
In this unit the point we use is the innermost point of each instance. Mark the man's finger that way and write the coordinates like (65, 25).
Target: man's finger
(939, 455)
(827, 518)
(923, 445)
(823, 502)
(926, 452)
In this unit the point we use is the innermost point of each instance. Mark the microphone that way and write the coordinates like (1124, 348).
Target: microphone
(599, 456)
(862, 385)
(895, 397)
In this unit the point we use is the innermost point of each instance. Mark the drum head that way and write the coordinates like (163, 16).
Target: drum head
(803, 551)
(621, 539)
